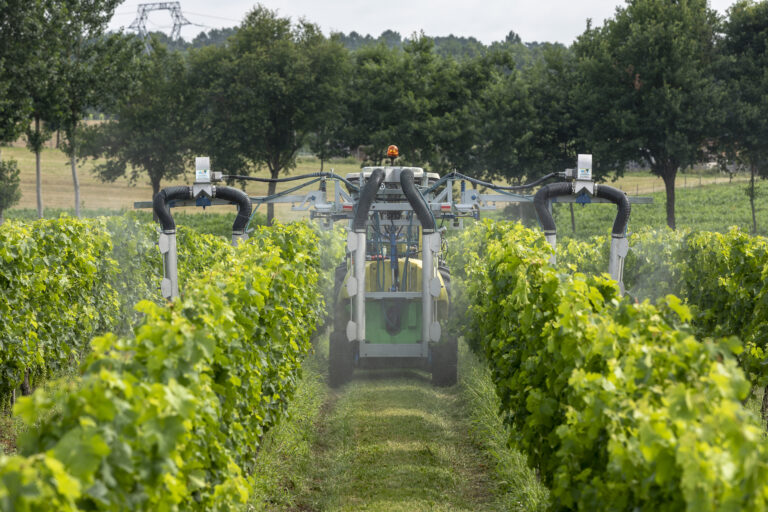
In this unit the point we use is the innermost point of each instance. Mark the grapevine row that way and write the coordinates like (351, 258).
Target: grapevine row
(62, 281)
(618, 404)
(723, 277)
(171, 417)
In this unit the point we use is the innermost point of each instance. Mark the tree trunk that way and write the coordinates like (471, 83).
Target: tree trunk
(751, 195)
(668, 174)
(322, 160)
(37, 172)
(273, 173)
(75, 181)
(573, 219)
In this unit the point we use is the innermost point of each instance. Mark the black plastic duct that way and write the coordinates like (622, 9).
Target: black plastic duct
(367, 195)
(161, 208)
(541, 204)
(417, 202)
(242, 200)
(619, 198)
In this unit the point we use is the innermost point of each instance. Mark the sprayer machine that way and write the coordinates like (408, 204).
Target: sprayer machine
(392, 293)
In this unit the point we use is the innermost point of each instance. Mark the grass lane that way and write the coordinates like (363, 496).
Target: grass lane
(390, 441)
(394, 443)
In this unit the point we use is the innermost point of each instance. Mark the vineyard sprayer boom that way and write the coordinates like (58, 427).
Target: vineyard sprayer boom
(392, 293)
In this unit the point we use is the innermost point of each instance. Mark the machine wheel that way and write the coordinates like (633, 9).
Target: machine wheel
(341, 359)
(445, 358)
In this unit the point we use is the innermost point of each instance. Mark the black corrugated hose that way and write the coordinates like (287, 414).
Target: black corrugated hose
(367, 195)
(417, 201)
(161, 208)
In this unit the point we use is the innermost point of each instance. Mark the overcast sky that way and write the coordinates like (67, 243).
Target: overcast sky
(490, 20)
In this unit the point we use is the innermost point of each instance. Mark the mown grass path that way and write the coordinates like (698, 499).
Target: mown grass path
(390, 441)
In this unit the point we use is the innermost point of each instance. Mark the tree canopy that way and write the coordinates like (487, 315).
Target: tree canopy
(646, 89)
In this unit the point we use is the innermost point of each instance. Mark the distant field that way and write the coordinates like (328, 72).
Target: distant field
(706, 208)
(58, 191)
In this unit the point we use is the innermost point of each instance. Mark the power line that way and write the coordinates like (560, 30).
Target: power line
(213, 17)
(140, 23)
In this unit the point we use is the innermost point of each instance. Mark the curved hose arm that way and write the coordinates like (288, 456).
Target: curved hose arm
(162, 209)
(619, 198)
(417, 201)
(367, 195)
(541, 204)
(243, 203)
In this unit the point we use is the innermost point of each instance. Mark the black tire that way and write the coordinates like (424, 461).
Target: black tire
(445, 359)
(341, 359)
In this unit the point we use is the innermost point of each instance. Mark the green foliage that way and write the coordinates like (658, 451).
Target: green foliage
(332, 246)
(467, 262)
(20, 37)
(721, 276)
(724, 279)
(652, 266)
(51, 275)
(257, 99)
(745, 57)
(617, 404)
(646, 87)
(9, 185)
(65, 280)
(172, 418)
(151, 137)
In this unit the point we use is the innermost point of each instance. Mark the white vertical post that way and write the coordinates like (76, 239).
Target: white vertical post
(359, 270)
(169, 286)
(619, 249)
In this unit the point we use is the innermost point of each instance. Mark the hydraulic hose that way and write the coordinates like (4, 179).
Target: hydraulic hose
(481, 183)
(541, 204)
(618, 197)
(417, 201)
(244, 206)
(367, 195)
(161, 208)
(331, 175)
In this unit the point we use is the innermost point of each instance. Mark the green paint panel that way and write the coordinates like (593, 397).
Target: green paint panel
(393, 321)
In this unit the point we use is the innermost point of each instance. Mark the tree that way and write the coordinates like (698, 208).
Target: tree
(745, 71)
(20, 35)
(508, 120)
(92, 69)
(9, 186)
(44, 88)
(647, 90)
(27, 38)
(264, 93)
(150, 137)
(555, 136)
(375, 101)
(405, 97)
